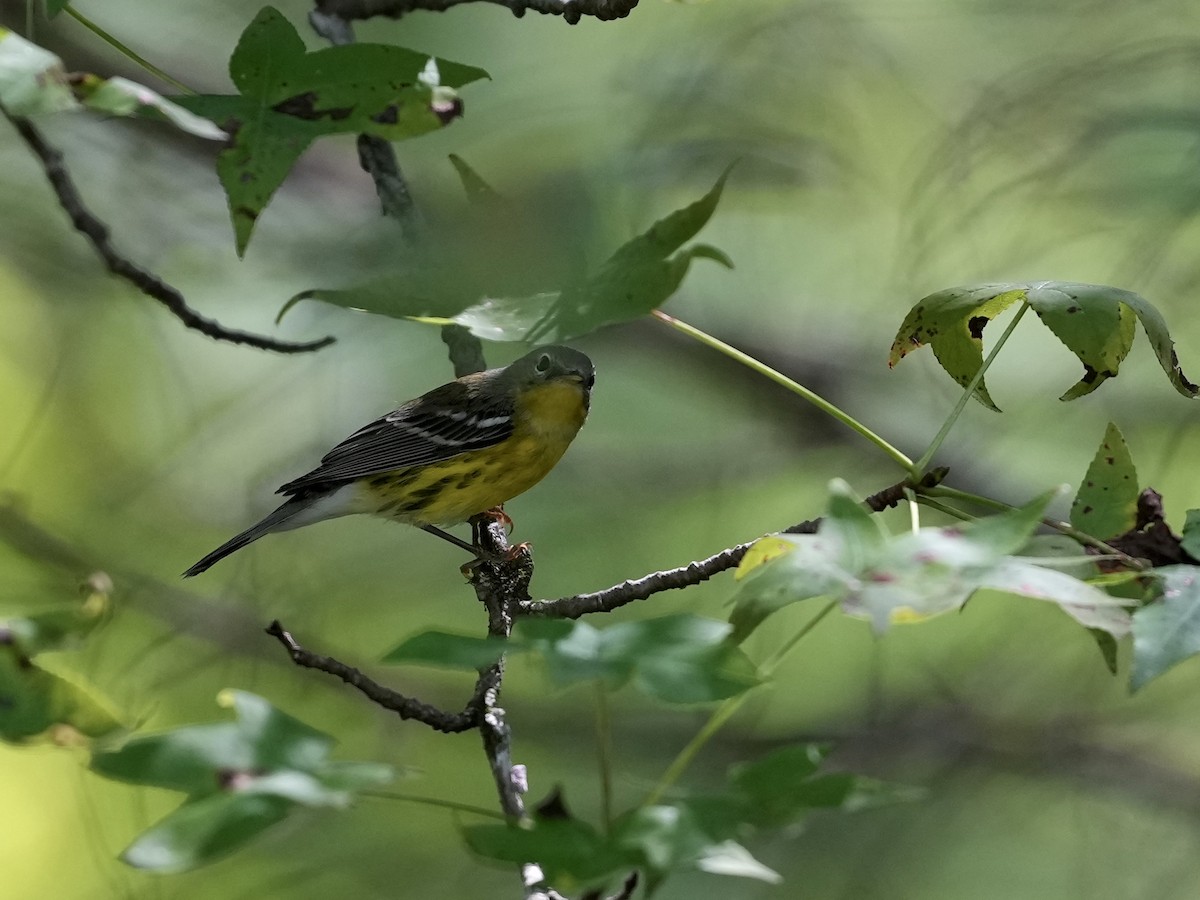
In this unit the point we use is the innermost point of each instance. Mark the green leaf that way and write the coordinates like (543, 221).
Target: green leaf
(452, 651)
(1106, 504)
(240, 777)
(637, 278)
(1107, 645)
(478, 191)
(289, 97)
(1095, 322)
(676, 659)
(787, 569)
(1007, 532)
(1190, 540)
(952, 323)
(811, 569)
(34, 700)
(569, 852)
(1167, 631)
(202, 831)
(784, 785)
(852, 526)
(1092, 323)
(54, 7)
(201, 759)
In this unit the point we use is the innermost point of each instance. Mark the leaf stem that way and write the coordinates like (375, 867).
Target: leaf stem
(922, 463)
(604, 753)
(779, 378)
(434, 801)
(126, 51)
(726, 710)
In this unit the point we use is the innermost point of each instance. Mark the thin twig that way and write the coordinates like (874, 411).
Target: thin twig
(571, 10)
(403, 706)
(684, 576)
(148, 283)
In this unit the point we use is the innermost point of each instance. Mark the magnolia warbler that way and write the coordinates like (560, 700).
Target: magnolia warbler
(457, 451)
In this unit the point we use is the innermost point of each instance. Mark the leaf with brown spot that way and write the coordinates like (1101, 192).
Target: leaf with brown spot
(289, 97)
(1106, 504)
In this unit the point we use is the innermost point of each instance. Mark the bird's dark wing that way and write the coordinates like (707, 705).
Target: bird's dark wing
(442, 424)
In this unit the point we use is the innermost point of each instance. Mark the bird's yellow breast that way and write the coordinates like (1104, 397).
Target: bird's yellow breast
(546, 420)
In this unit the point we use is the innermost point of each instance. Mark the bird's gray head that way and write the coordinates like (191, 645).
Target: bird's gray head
(552, 363)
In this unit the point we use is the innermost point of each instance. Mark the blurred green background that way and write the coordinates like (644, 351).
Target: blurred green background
(888, 149)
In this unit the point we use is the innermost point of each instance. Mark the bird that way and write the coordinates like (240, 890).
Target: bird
(457, 451)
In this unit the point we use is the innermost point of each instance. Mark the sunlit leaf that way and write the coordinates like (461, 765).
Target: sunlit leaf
(812, 569)
(288, 97)
(1167, 631)
(1093, 321)
(952, 323)
(1106, 504)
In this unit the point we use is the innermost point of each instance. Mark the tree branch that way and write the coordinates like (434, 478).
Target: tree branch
(571, 10)
(685, 576)
(405, 707)
(148, 283)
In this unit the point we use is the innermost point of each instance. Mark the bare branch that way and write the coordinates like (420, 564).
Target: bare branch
(405, 707)
(148, 283)
(571, 10)
(685, 576)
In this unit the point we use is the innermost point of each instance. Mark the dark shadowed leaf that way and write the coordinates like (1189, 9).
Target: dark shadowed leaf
(677, 659)
(34, 700)
(636, 279)
(452, 651)
(204, 830)
(240, 778)
(569, 852)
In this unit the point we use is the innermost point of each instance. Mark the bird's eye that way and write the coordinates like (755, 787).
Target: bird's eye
(542, 364)
(590, 381)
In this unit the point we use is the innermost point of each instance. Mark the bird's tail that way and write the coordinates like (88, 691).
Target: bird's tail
(276, 521)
